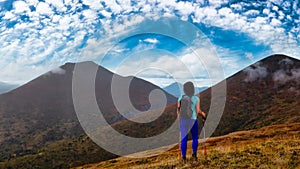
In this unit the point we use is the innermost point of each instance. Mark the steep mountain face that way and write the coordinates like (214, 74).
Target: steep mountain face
(176, 89)
(5, 87)
(265, 93)
(42, 111)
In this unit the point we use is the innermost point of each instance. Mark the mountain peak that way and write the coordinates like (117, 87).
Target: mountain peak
(277, 58)
(72, 64)
(270, 65)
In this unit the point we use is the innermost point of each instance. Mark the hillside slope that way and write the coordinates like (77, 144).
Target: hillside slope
(265, 93)
(268, 147)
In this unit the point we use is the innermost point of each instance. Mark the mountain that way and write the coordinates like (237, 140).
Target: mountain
(42, 111)
(5, 87)
(265, 93)
(176, 89)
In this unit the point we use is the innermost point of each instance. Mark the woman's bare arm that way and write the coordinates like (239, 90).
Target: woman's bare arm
(199, 111)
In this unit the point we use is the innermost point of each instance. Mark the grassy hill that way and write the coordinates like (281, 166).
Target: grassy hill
(275, 146)
(268, 147)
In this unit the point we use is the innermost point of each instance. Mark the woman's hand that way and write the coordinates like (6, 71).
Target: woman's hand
(203, 116)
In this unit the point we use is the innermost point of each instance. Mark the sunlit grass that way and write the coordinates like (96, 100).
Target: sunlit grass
(269, 147)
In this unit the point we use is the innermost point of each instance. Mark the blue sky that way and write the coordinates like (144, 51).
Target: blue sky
(38, 36)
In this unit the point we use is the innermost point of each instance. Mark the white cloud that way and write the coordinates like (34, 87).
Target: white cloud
(58, 4)
(56, 18)
(236, 6)
(217, 3)
(266, 11)
(151, 40)
(44, 8)
(89, 15)
(284, 76)
(39, 46)
(185, 8)
(127, 6)
(113, 5)
(20, 6)
(224, 11)
(249, 55)
(106, 14)
(32, 2)
(277, 2)
(122, 25)
(252, 12)
(64, 22)
(275, 22)
(207, 15)
(58, 70)
(275, 8)
(258, 28)
(281, 15)
(93, 4)
(256, 72)
(9, 15)
(97, 48)
(146, 8)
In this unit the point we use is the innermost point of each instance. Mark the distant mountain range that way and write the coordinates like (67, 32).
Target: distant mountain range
(176, 89)
(5, 87)
(34, 116)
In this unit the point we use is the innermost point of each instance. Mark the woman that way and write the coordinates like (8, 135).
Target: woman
(191, 123)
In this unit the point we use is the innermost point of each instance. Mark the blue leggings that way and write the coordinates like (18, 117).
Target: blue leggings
(187, 125)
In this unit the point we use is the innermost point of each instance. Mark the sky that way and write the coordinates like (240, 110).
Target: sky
(160, 41)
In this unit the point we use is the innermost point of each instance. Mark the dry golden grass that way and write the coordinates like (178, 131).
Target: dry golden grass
(269, 147)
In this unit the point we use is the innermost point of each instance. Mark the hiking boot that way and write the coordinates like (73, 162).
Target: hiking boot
(183, 160)
(194, 156)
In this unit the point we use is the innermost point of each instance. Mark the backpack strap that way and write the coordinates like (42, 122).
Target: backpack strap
(181, 99)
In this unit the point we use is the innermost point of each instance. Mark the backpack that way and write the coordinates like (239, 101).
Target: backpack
(185, 108)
